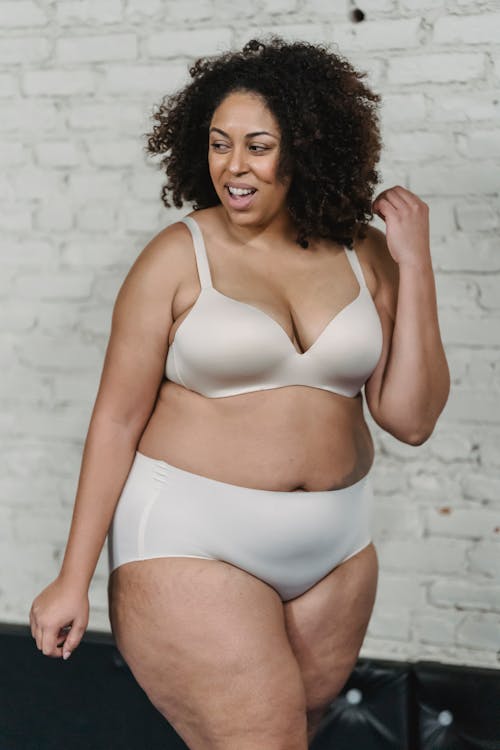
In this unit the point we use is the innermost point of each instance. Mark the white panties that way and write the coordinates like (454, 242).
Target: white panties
(290, 540)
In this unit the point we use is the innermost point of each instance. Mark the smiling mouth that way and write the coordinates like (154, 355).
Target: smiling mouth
(245, 194)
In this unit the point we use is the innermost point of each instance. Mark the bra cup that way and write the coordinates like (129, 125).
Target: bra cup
(225, 347)
(220, 347)
(347, 355)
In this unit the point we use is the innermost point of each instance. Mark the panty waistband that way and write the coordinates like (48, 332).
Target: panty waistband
(163, 470)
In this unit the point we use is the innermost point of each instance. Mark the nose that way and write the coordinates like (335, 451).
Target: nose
(237, 162)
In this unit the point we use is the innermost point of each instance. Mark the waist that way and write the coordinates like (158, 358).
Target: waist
(280, 440)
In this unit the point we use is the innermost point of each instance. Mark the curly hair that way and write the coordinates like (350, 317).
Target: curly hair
(330, 138)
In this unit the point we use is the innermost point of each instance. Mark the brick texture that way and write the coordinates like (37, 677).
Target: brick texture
(78, 200)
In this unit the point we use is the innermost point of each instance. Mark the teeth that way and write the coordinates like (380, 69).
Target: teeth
(239, 191)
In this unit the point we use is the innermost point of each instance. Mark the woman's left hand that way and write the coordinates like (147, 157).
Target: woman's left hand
(407, 225)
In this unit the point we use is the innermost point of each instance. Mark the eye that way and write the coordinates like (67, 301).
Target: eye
(255, 147)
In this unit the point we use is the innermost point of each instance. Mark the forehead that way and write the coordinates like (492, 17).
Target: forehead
(242, 108)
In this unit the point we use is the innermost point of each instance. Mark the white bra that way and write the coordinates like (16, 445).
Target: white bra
(224, 347)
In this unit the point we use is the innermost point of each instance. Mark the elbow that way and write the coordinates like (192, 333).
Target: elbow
(412, 426)
(420, 435)
(419, 438)
(424, 431)
(413, 435)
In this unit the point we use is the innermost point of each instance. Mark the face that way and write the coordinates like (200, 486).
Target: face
(243, 153)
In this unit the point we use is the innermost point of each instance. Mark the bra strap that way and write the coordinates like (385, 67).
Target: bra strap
(356, 265)
(200, 252)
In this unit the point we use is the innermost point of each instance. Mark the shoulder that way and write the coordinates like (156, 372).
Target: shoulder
(381, 268)
(208, 219)
(169, 250)
(161, 265)
(168, 245)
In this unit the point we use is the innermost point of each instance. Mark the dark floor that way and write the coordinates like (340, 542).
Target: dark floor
(92, 702)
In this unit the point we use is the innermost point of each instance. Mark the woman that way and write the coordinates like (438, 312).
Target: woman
(239, 606)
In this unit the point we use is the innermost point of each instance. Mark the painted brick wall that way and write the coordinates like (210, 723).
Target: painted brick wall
(79, 201)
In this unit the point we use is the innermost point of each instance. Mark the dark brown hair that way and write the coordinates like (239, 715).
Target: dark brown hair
(330, 139)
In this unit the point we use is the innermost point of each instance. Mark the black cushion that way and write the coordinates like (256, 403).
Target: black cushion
(458, 707)
(373, 711)
(90, 702)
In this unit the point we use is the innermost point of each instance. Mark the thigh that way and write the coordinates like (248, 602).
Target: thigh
(327, 625)
(207, 643)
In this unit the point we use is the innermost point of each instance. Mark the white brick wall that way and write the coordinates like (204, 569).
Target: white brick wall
(79, 201)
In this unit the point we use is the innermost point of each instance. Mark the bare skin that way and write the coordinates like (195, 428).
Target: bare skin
(215, 649)
(291, 438)
(221, 656)
(226, 661)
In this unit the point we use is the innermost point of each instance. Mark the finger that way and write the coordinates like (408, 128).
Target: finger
(397, 194)
(402, 195)
(38, 637)
(393, 199)
(62, 635)
(73, 639)
(49, 642)
(383, 208)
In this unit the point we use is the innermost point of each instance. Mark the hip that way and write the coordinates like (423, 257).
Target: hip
(290, 539)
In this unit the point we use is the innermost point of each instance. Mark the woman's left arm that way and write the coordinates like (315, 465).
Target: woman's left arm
(410, 393)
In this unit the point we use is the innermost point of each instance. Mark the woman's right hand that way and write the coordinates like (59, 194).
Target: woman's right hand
(59, 616)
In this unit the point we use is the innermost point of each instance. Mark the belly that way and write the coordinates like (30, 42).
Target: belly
(284, 439)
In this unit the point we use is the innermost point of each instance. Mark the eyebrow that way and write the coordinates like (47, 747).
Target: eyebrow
(248, 135)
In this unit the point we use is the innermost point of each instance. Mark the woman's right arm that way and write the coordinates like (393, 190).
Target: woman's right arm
(132, 373)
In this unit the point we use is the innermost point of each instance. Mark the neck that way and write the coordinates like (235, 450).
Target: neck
(267, 233)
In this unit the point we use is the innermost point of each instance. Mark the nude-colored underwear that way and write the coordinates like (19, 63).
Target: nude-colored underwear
(289, 539)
